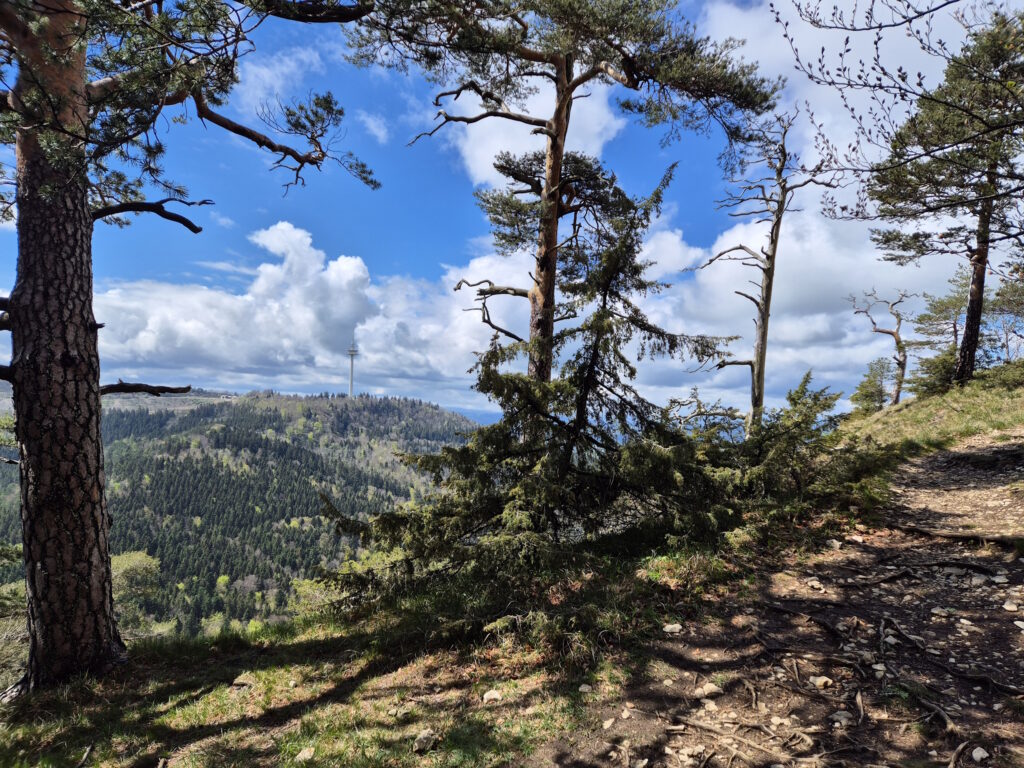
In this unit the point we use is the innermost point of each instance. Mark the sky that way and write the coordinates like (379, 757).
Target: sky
(276, 287)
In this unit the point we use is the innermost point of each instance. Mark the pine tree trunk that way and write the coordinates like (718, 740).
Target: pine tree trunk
(967, 354)
(542, 293)
(901, 369)
(55, 375)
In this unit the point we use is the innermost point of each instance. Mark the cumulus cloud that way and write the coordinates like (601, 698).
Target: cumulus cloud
(221, 220)
(265, 79)
(294, 319)
(375, 125)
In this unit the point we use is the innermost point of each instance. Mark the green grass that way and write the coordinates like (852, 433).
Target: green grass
(984, 405)
(358, 693)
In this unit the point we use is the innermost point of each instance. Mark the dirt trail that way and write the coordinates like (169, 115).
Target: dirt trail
(891, 648)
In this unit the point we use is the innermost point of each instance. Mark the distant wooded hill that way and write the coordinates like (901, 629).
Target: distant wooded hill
(225, 490)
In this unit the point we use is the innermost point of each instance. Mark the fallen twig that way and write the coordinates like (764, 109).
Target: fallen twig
(956, 755)
(725, 734)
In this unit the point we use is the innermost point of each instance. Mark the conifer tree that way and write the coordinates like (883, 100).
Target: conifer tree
(500, 51)
(872, 393)
(573, 457)
(948, 195)
(92, 80)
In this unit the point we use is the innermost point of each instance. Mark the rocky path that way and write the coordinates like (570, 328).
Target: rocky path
(894, 647)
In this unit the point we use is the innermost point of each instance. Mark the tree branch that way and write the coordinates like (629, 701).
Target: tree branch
(123, 387)
(540, 126)
(724, 363)
(493, 290)
(314, 158)
(157, 207)
(6, 373)
(312, 11)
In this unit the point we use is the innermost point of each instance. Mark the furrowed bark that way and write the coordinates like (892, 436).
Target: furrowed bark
(55, 373)
(542, 293)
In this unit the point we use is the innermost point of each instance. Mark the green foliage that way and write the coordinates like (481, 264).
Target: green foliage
(785, 455)
(934, 375)
(244, 469)
(137, 584)
(959, 147)
(872, 394)
(571, 459)
(501, 50)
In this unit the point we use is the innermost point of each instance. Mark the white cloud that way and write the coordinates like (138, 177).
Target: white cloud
(227, 266)
(265, 79)
(375, 125)
(221, 220)
(296, 317)
(594, 123)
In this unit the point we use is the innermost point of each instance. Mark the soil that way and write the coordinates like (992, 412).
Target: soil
(897, 646)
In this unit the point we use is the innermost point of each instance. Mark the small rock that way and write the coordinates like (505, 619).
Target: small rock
(641, 763)
(667, 682)
(835, 544)
(709, 705)
(820, 681)
(708, 690)
(586, 688)
(998, 706)
(855, 538)
(1000, 579)
(492, 695)
(608, 723)
(841, 718)
(979, 754)
(1019, 624)
(672, 629)
(292, 683)
(425, 741)
(626, 714)
(939, 612)
(1010, 606)
(305, 755)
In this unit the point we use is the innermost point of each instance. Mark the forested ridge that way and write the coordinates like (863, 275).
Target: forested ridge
(225, 493)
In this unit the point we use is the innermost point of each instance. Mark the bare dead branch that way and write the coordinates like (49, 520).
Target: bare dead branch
(490, 289)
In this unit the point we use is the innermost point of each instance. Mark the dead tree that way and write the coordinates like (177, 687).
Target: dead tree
(872, 300)
(767, 194)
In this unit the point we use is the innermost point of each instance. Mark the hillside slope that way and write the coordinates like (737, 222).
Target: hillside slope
(846, 640)
(225, 490)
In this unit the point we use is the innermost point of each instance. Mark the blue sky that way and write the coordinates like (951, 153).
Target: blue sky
(273, 290)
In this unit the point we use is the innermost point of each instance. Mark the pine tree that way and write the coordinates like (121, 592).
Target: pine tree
(580, 455)
(872, 394)
(500, 51)
(93, 79)
(947, 195)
